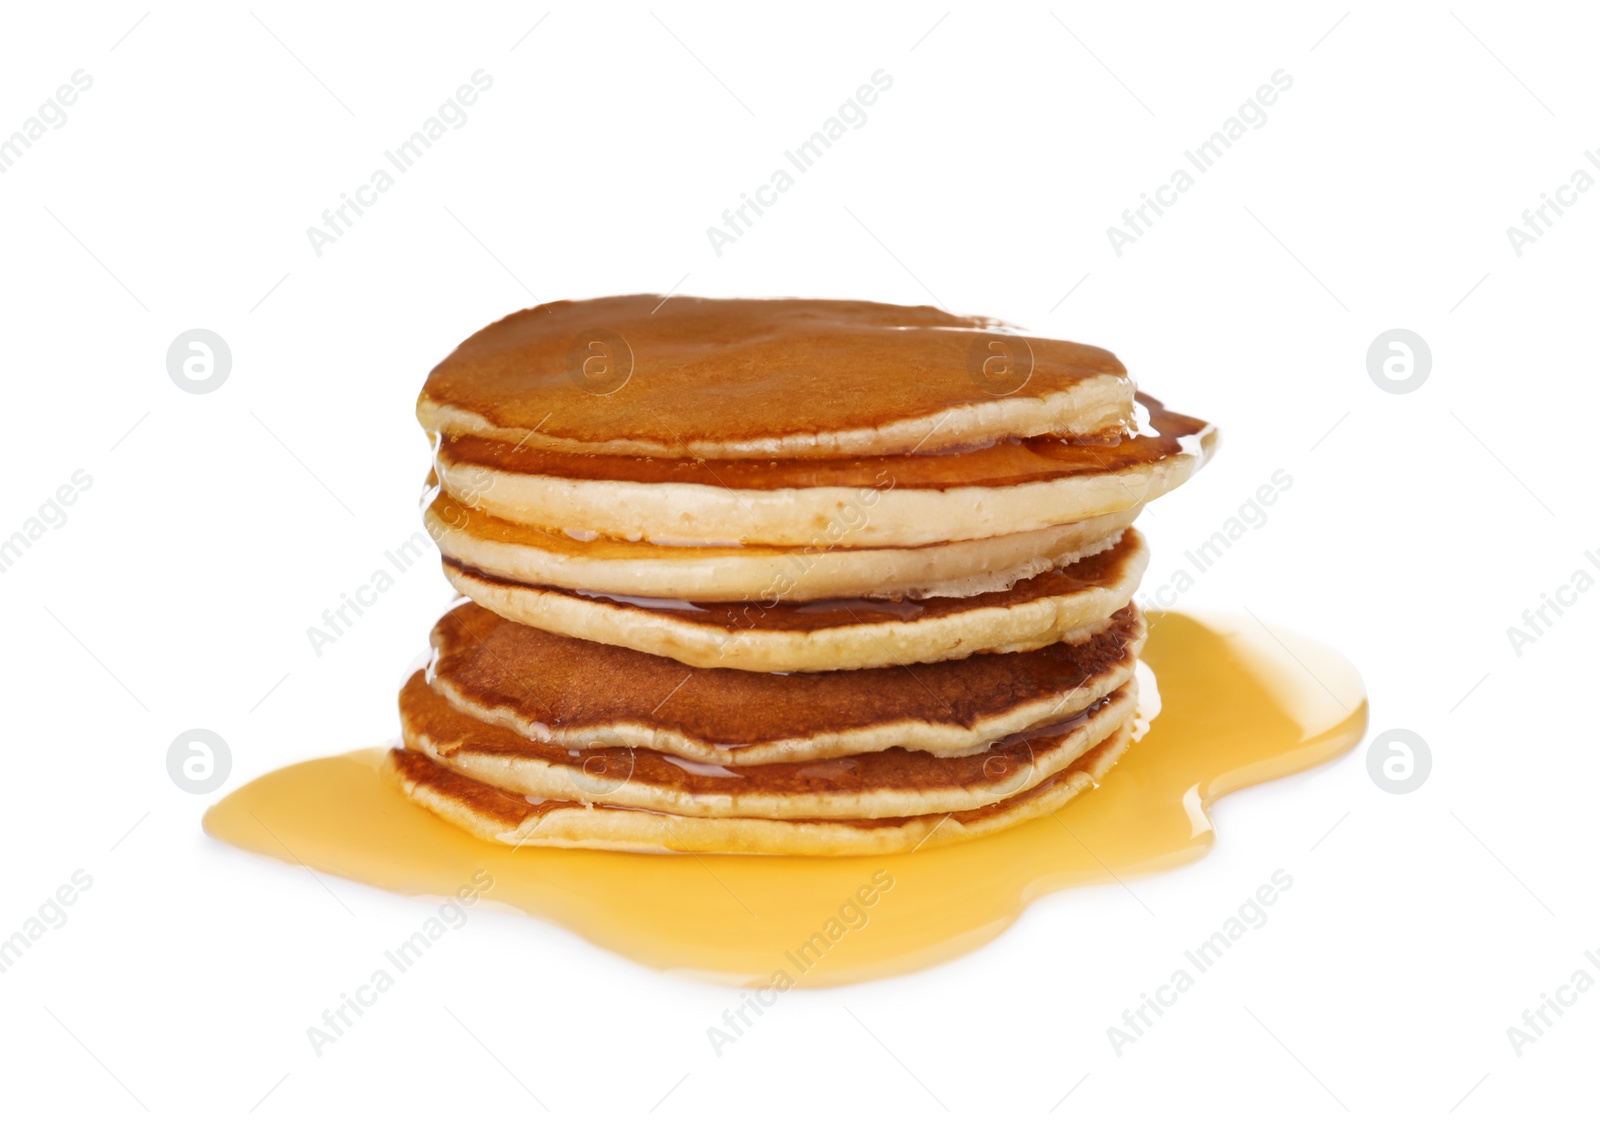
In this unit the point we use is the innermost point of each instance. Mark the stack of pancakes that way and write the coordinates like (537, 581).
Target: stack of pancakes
(781, 577)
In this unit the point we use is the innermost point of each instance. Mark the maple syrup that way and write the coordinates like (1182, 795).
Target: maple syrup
(1237, 709)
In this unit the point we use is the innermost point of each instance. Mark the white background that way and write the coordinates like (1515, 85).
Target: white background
(220, 526)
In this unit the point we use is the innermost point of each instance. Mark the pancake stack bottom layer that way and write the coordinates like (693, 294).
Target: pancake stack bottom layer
(780, 577)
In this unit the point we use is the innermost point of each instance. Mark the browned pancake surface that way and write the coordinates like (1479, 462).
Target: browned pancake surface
(734, 370)
(554, 681)
(428, 721)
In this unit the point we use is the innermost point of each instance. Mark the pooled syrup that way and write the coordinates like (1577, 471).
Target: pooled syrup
(1238, 708)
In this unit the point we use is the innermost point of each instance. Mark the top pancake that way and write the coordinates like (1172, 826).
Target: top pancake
(683, 377)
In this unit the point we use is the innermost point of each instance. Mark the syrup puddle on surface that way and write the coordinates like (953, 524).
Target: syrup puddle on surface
(1240, 706)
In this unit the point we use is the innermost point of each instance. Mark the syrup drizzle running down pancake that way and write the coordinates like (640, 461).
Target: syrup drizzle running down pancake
(1001, 487)
(998, 463)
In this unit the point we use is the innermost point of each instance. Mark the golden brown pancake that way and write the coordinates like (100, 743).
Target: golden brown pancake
(576, 694)
(1064, 605)
(891, 782)
(528, 554)
(695, 377)
(499, 816)
(475, 539)
(1000, 487)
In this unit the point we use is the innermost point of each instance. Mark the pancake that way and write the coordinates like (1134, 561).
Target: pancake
(499, 816)
(1001, 487)
(1068, 604)
(576, 694)
(726, 379)
(890, 782)
(476, 540)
